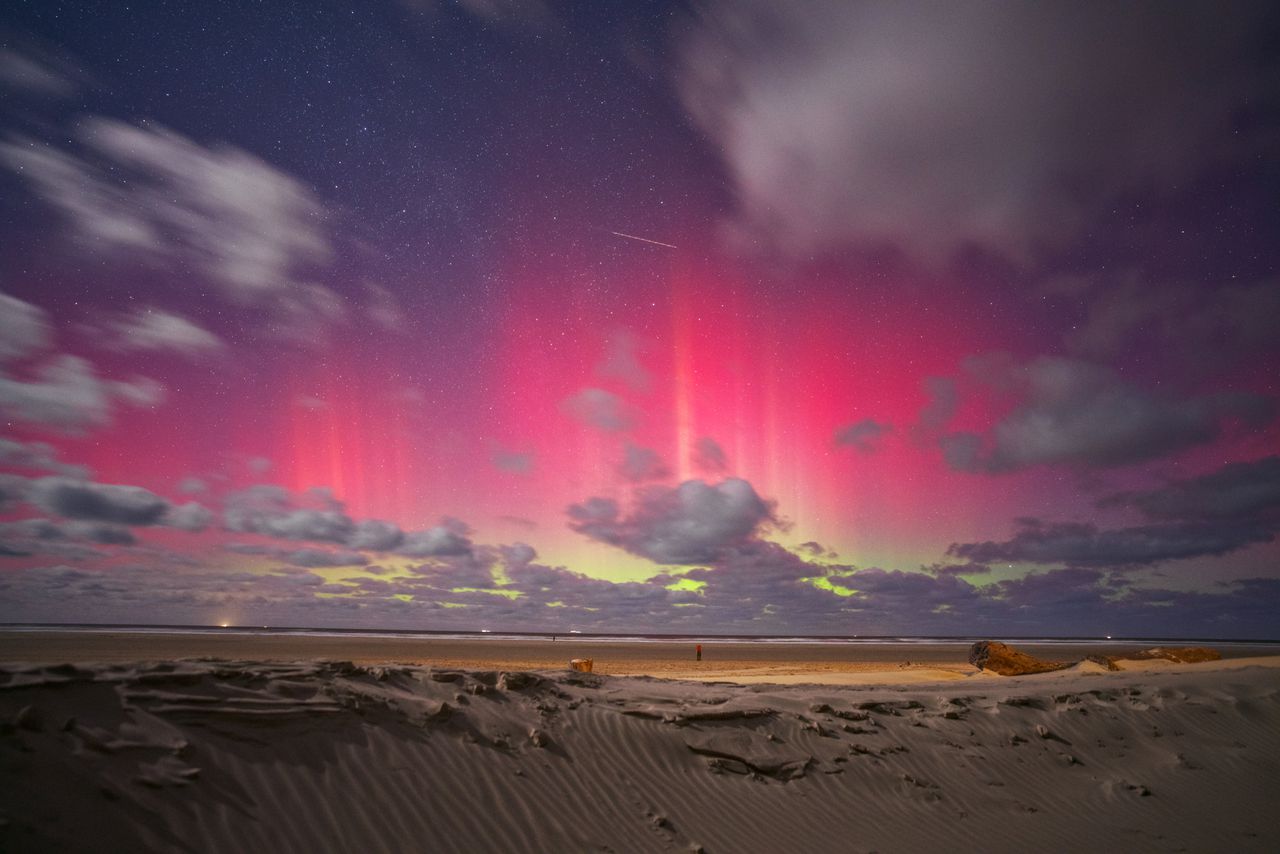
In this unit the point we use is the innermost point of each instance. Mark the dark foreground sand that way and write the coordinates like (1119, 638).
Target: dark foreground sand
(312, 756)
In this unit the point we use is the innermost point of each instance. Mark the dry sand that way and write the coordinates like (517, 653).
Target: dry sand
(831, 663)
(312, 756)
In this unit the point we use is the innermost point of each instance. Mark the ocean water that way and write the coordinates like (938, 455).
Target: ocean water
(877, 640)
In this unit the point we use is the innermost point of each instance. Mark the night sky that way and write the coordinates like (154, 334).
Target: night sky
(692, 317)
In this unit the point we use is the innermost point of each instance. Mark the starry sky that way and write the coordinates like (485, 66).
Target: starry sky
(692, 317)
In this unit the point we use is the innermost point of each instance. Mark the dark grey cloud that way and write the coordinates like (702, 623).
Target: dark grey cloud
(601, 409)
(107, 535)
(691, 523)
(709, 457)
(376, 535)
(1084, 544)
(1204, 329)
(642, 464)
(46, 537)
(957, 569)
(1007, 126)
(99, 502)
(813, 548)
(316, 558)
(863, 435)
(758, 587)
(1078, 413)
(1245, 490)
(270, 511)
(448, 539)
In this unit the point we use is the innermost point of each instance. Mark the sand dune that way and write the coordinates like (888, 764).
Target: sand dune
(243, 756)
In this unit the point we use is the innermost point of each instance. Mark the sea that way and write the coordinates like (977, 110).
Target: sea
(607, 637)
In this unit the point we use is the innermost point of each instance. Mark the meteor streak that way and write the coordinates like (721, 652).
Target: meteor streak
(644, 240)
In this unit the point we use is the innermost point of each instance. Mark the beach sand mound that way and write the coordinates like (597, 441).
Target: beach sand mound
(1005, 660)
(1176, 654)
(209, 755)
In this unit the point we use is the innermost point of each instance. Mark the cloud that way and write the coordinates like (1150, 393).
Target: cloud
(641, 464)
(384, 309)
(448, 539)
(622, 362)
(188, 517)
(99, 502)
(813, 548)
(694, 522)
(62, 391)
(932, 126)
(30, 537)
(1077, 413)
(1208, 329)
(107, 535)
(515, 462)
(21, 73)
(193, 485)
(37, 456)
(270, 511)
(1245, 490)
(863, 435)
(1211, 515)
(600, 409)
(24, 329)
(376, 535)
(944, 398)
(155, 330)
(317, 558)
(1084, 544)
(708, 456)
(153, 196)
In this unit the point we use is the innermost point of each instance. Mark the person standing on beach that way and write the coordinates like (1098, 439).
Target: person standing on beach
(698, 650)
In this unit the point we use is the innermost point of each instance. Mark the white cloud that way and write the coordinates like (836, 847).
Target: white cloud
(66, 393)
(157, 330)
(931, 125)
(155, 197)
(24, 329)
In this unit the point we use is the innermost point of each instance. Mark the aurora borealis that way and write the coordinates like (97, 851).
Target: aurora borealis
(946, 319)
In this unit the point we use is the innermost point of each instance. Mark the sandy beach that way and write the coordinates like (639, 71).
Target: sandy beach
(829, 663)
(150, 753)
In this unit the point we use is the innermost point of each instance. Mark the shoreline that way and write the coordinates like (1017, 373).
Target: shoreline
(745, 662)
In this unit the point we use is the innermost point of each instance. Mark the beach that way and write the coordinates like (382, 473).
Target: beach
(754, 661)
(227, 742)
